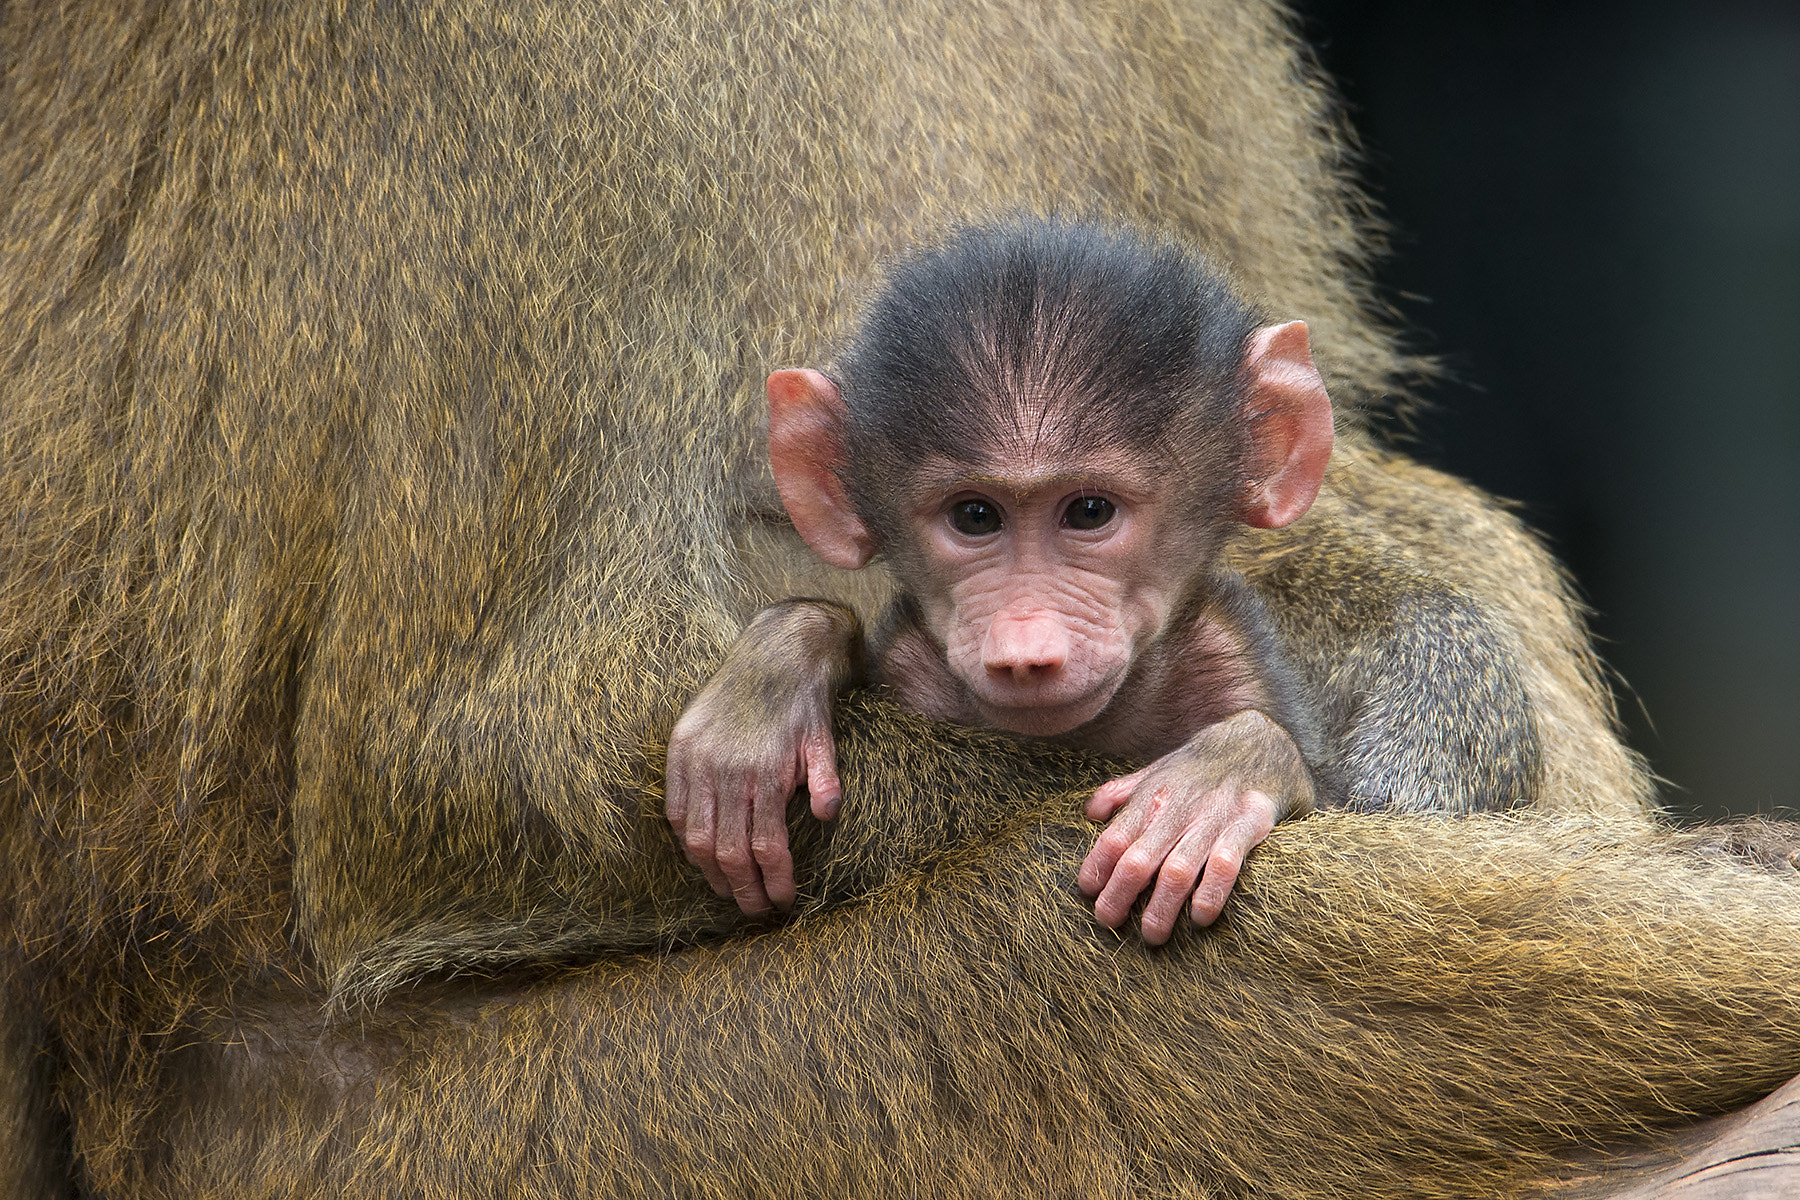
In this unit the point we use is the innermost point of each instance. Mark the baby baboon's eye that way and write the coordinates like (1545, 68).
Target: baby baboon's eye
(975, 517)
(1088, 512)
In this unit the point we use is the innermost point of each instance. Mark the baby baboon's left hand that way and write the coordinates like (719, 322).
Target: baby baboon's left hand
(1190, 818)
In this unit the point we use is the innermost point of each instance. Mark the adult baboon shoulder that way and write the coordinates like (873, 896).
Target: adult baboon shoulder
(380, 470)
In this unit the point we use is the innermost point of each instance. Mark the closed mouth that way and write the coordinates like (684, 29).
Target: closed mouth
(1044, 719)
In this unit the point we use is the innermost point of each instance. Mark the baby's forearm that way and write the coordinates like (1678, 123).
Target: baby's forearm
(811, 641)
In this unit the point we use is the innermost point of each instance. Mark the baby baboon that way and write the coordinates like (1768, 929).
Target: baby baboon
(1051, 430)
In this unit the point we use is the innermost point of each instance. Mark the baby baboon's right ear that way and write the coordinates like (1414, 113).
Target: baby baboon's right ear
(809, 453)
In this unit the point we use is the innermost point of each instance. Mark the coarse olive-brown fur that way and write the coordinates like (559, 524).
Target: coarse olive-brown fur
(379, 471)
(1392, 1006)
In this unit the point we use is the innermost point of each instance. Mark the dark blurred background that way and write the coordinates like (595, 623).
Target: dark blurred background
(1596, 224)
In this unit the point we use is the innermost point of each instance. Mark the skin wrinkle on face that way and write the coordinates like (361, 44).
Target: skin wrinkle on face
(1047, 425)
(1036, 568)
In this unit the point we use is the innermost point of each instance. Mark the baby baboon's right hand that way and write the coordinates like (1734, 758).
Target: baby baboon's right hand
(756, 732)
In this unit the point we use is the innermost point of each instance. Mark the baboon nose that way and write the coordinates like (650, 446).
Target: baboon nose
(1030, 649)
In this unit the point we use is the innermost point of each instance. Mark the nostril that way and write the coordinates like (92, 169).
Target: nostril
(1028, 671)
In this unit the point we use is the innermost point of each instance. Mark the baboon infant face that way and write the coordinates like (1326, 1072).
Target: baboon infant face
(1041, 586)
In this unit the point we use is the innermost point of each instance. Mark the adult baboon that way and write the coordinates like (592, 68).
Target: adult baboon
(380, 471)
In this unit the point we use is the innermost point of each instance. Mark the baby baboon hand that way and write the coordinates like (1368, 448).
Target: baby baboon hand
(728, 788)
(755, 733)
(1190, 818)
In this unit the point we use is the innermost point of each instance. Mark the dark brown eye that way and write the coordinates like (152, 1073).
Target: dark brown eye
(1089, 512)
(975, 517)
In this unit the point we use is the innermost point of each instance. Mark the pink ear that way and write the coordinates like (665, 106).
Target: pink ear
(1290, 417)
(807, 451)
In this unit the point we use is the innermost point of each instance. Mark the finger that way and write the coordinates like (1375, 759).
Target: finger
(735, 859)
(1097, 868)
(1136, 868)
(1174, 884)
(1221, 872)
(769, 841)
(819, 752)
(702, 842)
(1110, 796)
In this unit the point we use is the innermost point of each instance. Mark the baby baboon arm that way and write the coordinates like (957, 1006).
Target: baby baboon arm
(1419, 684)
(1188, 821)
(758, 730)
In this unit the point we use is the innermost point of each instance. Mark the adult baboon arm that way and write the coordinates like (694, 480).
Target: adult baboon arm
(1391, 1007)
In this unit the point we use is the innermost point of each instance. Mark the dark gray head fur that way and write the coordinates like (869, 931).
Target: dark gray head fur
(1047, 335)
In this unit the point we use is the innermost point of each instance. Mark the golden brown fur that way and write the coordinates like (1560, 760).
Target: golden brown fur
(380, 470)
(1392, 1007)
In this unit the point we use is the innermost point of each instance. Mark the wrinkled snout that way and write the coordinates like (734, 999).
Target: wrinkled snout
(1028, 648)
